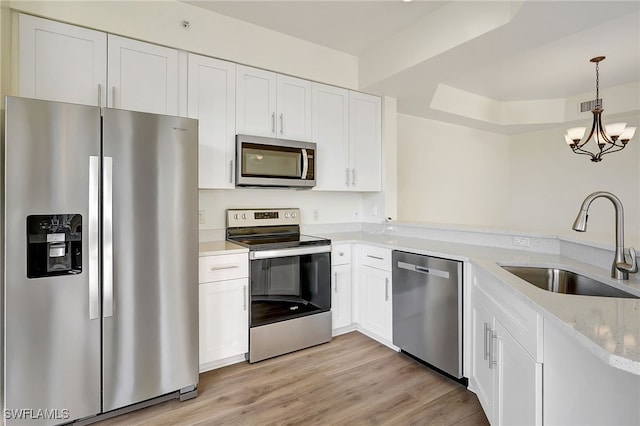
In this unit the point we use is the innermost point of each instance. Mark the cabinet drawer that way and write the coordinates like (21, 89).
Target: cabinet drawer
(223, 267)
(376, 257)
(340, 254)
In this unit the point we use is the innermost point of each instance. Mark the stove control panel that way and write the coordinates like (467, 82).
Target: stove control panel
(262, 217)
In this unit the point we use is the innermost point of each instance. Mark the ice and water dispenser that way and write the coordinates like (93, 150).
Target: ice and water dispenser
(54, 245)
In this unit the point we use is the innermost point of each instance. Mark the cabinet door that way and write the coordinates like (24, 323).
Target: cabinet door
(341, 296)
(255, 102)
(481, 372)
(293, 108)
(60, 62)
(224, 319)
(331, 134)
(518, 383)
(142, 76)
(375, 301)
(212, 100)
(365, 142)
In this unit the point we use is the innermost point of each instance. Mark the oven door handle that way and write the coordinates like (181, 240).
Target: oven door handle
(295, 251)
(305, 164)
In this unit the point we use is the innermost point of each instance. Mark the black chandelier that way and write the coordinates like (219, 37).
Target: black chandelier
(610, 138)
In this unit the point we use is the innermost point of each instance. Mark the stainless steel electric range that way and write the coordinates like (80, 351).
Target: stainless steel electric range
(290, 279)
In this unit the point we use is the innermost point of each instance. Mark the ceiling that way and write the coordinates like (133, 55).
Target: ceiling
(542, 52)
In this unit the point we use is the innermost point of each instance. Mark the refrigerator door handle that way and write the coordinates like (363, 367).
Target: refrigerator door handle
(93, 243)
(107, 232)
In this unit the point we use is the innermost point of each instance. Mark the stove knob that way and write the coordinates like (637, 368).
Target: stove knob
(236, 216)
(293, 215)
(244, 216)
(287, 215)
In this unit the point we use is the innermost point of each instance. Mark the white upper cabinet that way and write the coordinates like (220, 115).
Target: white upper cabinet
(142, 76)
(60, 62)
(365, 142)
(293, 108)
(272, 105)
(331, 134)
(347, 129)
(212, 100)
(255, 102)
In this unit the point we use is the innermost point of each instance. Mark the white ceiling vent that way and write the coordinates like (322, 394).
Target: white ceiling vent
(587, 106)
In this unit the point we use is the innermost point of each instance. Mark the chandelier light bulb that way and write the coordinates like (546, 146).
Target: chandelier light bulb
(568, 140)
(614, 130)
(576, 133)
(627, 134)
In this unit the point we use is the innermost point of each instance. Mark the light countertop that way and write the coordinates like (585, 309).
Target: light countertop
(608, 327)
(211, 248)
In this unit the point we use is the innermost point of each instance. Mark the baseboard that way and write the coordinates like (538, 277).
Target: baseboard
(377, 338)
(222, 362)
(343, 330)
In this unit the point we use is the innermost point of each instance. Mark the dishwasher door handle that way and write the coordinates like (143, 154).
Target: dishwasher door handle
(423, 270)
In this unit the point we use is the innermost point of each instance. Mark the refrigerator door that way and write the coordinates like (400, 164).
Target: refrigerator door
(150, 276)
(52, 321)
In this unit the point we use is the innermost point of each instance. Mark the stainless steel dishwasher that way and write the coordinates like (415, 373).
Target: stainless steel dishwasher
(427, 310)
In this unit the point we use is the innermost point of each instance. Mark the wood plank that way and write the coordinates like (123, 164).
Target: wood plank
(350, 380)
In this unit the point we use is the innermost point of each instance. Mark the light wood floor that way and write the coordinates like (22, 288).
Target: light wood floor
(352, 380)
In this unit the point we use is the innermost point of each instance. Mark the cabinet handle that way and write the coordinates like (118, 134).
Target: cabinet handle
(335, 282)
(231, 171)
(492, 336)
(281, 123)
(244, 297)
(223, 267)
(340, 253)
(486, 330)
(386, 289)
(353, 177)
(273, 122)
(374, 257)
(113, 96)
(346, 182)
(100, 95)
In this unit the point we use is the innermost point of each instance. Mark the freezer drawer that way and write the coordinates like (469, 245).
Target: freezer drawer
(427, 309)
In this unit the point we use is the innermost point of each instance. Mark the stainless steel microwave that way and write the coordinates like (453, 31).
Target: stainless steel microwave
(262, 161)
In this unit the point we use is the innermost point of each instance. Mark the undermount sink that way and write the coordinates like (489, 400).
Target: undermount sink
(561, 281)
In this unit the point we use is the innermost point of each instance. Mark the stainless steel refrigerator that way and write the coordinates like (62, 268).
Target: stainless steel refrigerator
(100, 260)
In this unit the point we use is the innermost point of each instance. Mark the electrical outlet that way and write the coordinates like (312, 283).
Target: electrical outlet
(521, 241)
(201, 217)
(316, 215)
(374, 211)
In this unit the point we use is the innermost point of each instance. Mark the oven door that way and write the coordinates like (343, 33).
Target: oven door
(289, 283)
(274, 162)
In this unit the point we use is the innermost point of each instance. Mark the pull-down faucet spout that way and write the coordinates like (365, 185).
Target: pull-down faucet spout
(620, 269)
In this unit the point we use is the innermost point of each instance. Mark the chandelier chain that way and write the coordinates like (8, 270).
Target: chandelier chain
(598, 85)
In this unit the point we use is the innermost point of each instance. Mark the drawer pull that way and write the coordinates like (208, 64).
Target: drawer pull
(223, 267)
(386, 289)
(375, 257)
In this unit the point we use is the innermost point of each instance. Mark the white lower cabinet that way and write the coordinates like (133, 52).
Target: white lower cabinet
(341, 289)
(224, 310)
(375, 316)
(505, 376)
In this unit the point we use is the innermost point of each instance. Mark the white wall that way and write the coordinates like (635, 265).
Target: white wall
(530, 182)
(549, 182)
(451, 174)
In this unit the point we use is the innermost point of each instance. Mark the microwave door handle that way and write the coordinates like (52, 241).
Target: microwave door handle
(305, 164)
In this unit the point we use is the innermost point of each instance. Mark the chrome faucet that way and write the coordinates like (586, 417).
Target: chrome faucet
(620, 269)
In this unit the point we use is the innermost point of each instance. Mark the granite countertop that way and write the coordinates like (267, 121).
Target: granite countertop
(608, 327)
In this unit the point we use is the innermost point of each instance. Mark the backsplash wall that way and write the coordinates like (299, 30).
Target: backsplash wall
(331, 207)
